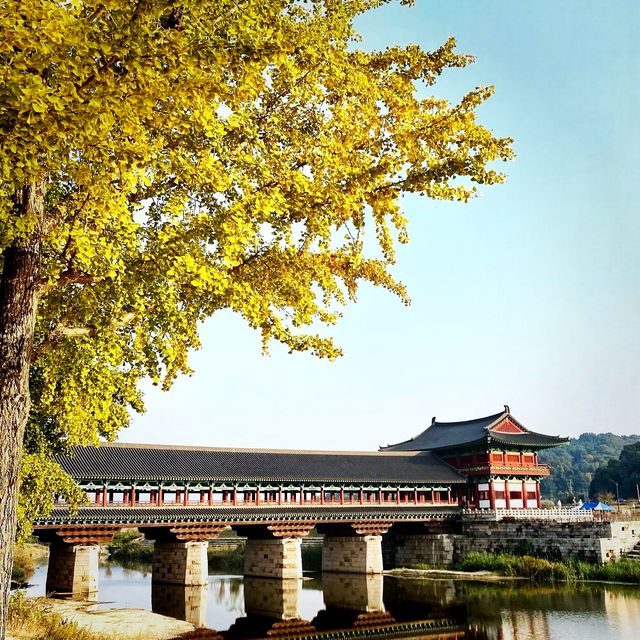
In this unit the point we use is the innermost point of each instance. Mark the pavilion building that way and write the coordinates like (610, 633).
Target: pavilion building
(497, 455)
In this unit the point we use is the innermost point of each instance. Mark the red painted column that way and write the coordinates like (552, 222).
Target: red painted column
(321, 495)
(398, 496)
(301, 495)
(258, 495)
(104, 496)
(210, 496)
(524, 494)
(492, 495)
(380, 496)
(234, 494)
(341, 495)
(279, 495)
(160, 496)
(361, 496)
(133, 496)
(538, 495)
(449, 495)
(507, 497)
(185, 497)
(415, 496)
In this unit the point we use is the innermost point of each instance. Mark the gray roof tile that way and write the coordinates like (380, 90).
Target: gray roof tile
(154, 462)
(444, 435)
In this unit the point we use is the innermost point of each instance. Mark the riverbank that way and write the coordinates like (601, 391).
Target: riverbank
(541, 570)
(50, 619)
(26, 557)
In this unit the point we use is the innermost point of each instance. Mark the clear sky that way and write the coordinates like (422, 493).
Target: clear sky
(529, 295)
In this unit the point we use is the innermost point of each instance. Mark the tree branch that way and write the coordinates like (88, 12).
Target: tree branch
(69, 276)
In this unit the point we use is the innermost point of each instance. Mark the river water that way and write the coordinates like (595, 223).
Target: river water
(353, 606)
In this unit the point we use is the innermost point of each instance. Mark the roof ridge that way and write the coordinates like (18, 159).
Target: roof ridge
(178, 447)
(496, 416)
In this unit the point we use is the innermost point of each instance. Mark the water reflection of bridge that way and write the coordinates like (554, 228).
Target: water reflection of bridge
(354, 608)
(359, 606)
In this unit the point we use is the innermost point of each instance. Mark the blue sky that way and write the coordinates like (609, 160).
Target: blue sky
(529, 295)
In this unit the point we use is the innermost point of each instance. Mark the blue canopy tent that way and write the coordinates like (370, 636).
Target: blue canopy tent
(597, 506)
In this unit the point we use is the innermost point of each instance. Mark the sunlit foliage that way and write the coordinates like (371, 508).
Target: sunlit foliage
(199, 156)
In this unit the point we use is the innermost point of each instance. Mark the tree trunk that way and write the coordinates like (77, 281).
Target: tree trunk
(18, 301)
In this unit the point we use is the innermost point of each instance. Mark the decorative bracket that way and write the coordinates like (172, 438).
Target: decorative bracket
(197, 531)
(371, 528)
(290, 529)
(88, 534)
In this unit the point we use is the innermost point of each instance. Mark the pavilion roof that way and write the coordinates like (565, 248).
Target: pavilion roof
(144, 462)
(501, 428)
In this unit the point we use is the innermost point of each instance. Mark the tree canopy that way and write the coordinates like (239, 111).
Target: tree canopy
(574, 464)
(199, 156)
(625, 471)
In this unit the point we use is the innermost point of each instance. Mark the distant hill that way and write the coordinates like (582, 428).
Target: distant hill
(574, 464)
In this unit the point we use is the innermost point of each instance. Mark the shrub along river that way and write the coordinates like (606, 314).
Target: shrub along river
(352, 606)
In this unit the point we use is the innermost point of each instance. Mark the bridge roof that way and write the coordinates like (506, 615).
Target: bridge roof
(145, 462)
(501, 428)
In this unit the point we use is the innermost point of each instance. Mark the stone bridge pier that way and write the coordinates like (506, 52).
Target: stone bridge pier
(73, 558)
(353, 548)
(180, 552)
(274, 550)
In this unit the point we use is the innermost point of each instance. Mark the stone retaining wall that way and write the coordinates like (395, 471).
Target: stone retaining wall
(598, 542)
(592, 541)
(418, 549)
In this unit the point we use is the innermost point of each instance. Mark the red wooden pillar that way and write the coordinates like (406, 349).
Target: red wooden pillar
(133, 496)
(398, 496)
(524, 495)
(341, 495)
(492, 495)
(279, 495)
(380, 496)
(449, 495)
(301, 495)
(507, 497)
(160, 496)
(538, 495)
(415, 496)
(104, 496)
(185, 497)
(258, 495)
(210, 496)
(361, 495)
(234, 495)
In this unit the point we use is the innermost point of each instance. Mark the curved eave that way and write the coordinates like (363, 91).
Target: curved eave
(539, 441)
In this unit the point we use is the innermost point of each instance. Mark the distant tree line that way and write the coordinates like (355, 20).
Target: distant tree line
(620, 475)
(585, 459)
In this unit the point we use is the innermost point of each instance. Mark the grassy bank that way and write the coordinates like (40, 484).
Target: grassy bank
(539, 569)
(26, 558)
(30, 618)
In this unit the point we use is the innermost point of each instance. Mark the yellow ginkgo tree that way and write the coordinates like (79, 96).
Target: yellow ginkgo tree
(161, 160)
